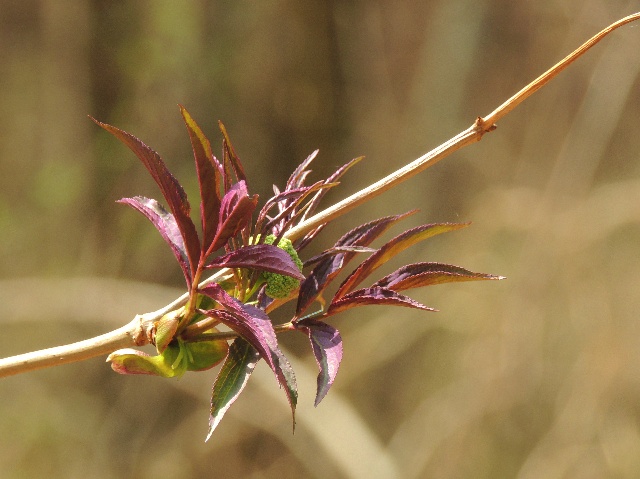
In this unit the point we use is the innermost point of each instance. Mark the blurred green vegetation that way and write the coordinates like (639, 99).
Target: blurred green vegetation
(533, 377)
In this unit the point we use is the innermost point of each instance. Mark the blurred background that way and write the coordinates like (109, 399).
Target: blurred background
(537, 376)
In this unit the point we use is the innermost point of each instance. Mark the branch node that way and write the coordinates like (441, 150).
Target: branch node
(144, 330)
(482, 126)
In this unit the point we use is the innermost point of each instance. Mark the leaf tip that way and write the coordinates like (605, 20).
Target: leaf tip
(213, 423)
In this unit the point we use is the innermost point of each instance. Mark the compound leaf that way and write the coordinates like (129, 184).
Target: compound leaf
(392, 248)
(327, 269)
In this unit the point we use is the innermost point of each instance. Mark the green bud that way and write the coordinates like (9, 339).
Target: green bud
(279, 285)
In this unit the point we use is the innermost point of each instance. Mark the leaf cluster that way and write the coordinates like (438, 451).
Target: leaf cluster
(262, 271)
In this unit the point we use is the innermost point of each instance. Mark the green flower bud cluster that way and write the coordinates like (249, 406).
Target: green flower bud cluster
(279, 285)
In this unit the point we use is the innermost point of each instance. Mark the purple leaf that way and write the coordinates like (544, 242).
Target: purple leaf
(235, 213)
(315, 201)
(171, 190)
(326, 270)
(255, 326)
(373, 296)
(263, 257)
(427, 274)
(331, 179)
(292, 210)
(166, 224)
(283, 197)
(208, 179)
(392, 248)
(327, 348)
(296, 180)
(257, 330)
(231, 162)
(288, 204)
(326, 254)
(231, 380)
(273, 201)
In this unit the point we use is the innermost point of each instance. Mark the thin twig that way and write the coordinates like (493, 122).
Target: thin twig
(547, 76)
(130, 334)
(470, 135)
(70, 353)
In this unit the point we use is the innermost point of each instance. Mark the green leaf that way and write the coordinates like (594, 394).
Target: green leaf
(166, 328)
(254, 325)
(177, 358)
(205, 354)
(231, 380)
(132, 361)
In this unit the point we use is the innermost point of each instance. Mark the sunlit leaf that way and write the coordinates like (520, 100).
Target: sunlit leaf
(231, 380)
(166, 224)
(283, 197)
(203, 355)
(257, 330)
(166, 328)
(427, 274)
(296, 179)
(171, 190)
(392, 248)
(132, 361)
(373, 296)
(231, 162)
(326, 344)
(176, 358)
(315, 201)
(208, 179)
(291, 209)
(279, 197)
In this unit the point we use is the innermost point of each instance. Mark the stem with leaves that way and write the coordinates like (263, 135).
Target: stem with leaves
(133, 333)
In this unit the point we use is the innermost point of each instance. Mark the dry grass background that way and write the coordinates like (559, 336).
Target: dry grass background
(533, 377)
